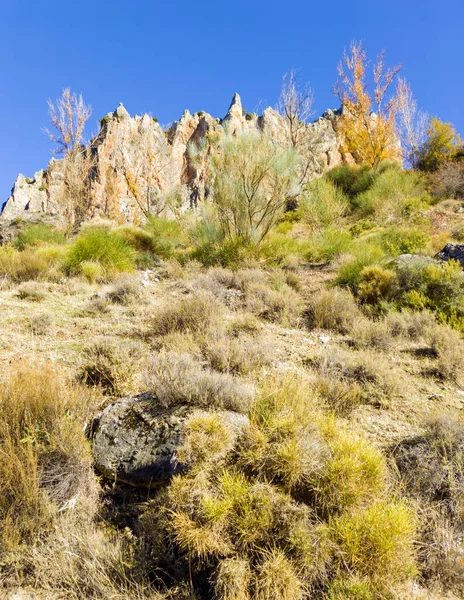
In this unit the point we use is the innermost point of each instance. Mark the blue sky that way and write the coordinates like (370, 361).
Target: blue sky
(163, 57)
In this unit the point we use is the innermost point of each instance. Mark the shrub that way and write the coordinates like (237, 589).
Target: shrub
(353, 476)
(378, 382)
(125, 291)
(389, 196)
(32, 290)
(352, 179)
(376, 284)
(425, 284)
(111, 364)
(277, 579)
(207, 439)
(167, 235)
(402, 240)
(40, 324)
(31, 263)
(378, 543)
(323, 204)
(252, 180)
(333, 309)
(372, 334)
(350, 588)
(448, 348)
(361, 255)
(179, 379)
(45, 460)
(103, 246)
(240, 355)
(233, 579)
(328, 245)
(91, 270)
(36, 234)
(196, 313)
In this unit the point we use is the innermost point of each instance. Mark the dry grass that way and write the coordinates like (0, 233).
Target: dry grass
(126, 290)
(32, 290)
(333, 309)
(195, 313)
(111, 364)
(44, 460)
(374, 374)
(178, 379)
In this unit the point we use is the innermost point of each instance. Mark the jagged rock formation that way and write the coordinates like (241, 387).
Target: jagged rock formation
(136, 164)
(452, 252)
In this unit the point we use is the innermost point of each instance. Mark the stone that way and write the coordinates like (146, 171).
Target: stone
(452, 252)
(136, 443)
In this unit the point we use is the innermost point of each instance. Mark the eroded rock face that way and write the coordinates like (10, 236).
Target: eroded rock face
(136, 162)
(136, 443)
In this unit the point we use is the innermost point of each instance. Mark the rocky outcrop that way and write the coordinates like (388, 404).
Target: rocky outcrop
(452, 252)
(136, 443)
(136, 164)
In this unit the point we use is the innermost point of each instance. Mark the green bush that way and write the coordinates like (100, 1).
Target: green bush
(36, 234)
(352, 180)
(376, 284)
(439, 287)
(322, 204)
(167, 235)
(103, 246)
(379, 543)
(362, 254)
(328, 245)
(398, 241)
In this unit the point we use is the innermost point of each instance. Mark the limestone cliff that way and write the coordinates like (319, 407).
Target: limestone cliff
(135, 163)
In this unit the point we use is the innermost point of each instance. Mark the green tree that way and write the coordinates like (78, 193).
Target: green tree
(251, 181)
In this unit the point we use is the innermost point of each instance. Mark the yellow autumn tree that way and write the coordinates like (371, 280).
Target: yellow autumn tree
(441, 145)
(368, 120)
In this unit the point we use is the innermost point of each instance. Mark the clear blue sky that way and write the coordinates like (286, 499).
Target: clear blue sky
(164, 56)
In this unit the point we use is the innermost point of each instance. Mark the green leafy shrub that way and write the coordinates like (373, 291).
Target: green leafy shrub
(376, 284)
(398, 241)
(103, 246)
(352, 180)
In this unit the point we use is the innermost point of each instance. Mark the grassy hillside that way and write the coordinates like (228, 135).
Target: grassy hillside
(337, 347)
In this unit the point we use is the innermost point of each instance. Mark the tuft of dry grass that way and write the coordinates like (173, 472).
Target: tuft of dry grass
(195, 313)
(125, 291)
(111, 364)
(32, 290)
(45, 460)
(41, 323)
(333, 309)
(233, 579)
(178, 379)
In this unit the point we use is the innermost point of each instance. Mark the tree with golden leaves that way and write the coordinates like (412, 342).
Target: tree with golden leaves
(368, 120)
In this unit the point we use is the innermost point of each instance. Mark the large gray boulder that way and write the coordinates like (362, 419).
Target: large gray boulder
(136, 443)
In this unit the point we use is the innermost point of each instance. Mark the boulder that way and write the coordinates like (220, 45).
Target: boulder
(452, 252)
(135, 442)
